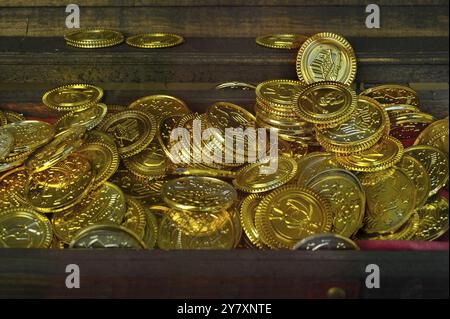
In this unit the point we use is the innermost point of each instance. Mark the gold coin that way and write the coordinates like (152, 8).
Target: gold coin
(281, 41)
(88, 118)
(195, 193)
(405, 232)
(409, 125)
(418, 175)
(73, 97)
(391, 199)
(14, 183)
(289, 214)
(223, 115)
(62, 146)
(326, 57)
(171, 237)
(247, 215)
(95, 136)
(29, 135)
(161, 106)
(13, 117)
(257, 177)
(6, 143)
(366, 125)
(163, 134)
(24, 228)
(312, 164)
(135, 218)
(133, 131)
(433, 219)
(385, 154)
(151, 228)
(106, 204)
(93, 38)
(325, 103)
(138, 188)
(150, 163)
(207, 172)
(278, 94)
(154, 40)
(107, 235)
(198, 223)
(3, 119)
(103, 157)
(61, 186)
(436, 134)
(346, 199)
(391, 94)
(435, 162)
(6, 166)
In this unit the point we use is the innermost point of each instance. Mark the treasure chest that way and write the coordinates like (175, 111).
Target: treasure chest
(395, 43)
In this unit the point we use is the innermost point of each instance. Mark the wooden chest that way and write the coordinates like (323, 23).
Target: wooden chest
(411, 47)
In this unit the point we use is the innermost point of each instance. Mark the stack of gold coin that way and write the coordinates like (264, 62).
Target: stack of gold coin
(273, 108)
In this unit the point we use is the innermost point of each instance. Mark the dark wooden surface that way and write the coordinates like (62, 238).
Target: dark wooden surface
(50, 60)
(240, 19)
(221, 274)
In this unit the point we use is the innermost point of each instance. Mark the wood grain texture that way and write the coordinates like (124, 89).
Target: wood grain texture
(203, 3)
(50, 60)
(221, 274)
(232, 21)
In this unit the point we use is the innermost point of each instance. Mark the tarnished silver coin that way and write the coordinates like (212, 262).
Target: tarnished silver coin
(326, 242)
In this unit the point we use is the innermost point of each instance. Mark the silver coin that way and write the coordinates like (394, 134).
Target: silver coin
(326, 242)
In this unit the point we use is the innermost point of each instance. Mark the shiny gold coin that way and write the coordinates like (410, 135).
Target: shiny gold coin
(133, 131)
(88, 118)
(154, 40)
(418, 175)
(405, 232)
(6, 143)
(312, 164)
(61, 186)
(161, 106)
(107, 235)
(326, 57)
(106, 204)
(136, 187)
(247, 216)
(73, 97)
(93, 38)
(6, 166)
(194, 193)
(29, 135)
(103, 157)
(260, 177)
(366, 125)
(325, 103)
(433, 219)
(151, 228)
(24, 228)
(3, 119)
(13, 117)
(289, 214)
(64, 144)
(435, 162)
(150, 163)
(14, 182)
(198, 223)
(95, 136)
(223, 115)
(278, 94)
(281, 41)
(346, 199)
(209, 172)
(436, 134)
(135, 218)
(392, 94)
(385, 154)
(163, 134)
(171, 237)
(409, 125)
(391, 199)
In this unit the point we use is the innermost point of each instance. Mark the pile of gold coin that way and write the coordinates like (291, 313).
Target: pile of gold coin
(107, 176)
(102, 38)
